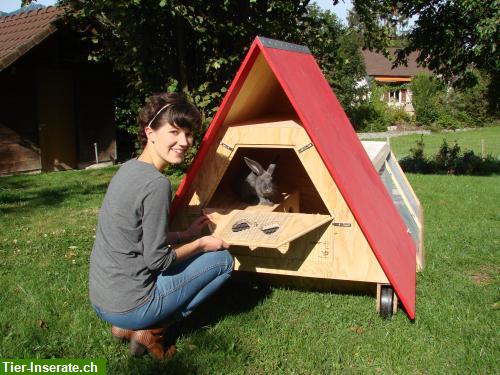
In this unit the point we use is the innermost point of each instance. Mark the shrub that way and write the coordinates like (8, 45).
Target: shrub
(416, 162)
(453, 107)
(469, 104)
(426, 90)
(446, 121)
(467, 120)
(372, 114)
(449, 160)
(399, 116)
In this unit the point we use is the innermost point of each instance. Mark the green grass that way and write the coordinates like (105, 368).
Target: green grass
(467, 140)
(48, 223)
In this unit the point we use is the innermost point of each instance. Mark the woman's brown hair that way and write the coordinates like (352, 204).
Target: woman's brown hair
(164, 108)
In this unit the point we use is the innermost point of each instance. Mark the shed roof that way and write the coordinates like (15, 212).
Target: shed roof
(343, 154)
(21, 32)
(378, 65)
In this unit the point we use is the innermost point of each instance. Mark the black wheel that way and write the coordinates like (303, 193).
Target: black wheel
(386, 301)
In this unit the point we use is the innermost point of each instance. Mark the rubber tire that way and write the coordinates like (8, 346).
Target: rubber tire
(386, 301)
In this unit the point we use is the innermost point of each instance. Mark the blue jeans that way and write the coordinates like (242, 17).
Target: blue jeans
(179, 290)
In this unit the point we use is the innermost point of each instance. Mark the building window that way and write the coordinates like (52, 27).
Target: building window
(397, 96)
(403, 96)
(394, 96)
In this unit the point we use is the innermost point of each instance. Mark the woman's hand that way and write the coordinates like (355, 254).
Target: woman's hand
(212, 243)
(194, 230)
(203, 244)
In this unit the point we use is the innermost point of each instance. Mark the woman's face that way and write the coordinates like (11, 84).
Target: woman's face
(171, 143)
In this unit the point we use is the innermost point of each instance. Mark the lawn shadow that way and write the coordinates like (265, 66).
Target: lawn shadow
(15, 184)
(312, 284)
(34, 199)
(239, 295)
(234, 297)
(246, 290)
(147, 366)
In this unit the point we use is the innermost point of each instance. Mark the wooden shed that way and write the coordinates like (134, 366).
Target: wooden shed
(56, 107)
(333, 218)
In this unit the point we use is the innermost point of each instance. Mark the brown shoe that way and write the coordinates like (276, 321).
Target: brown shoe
(150, 340)
(121, 334)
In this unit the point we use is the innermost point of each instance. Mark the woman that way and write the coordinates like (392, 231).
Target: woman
(140, 273)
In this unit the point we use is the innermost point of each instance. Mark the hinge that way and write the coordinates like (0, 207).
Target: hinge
(226, 146)
(305, 148)
(342, 225)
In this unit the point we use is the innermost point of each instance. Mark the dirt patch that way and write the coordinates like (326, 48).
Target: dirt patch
(485, 275)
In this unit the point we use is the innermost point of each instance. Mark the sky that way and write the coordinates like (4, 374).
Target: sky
(10, 5)
(340, 10)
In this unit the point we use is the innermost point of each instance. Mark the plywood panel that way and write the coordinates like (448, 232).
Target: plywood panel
(353, 256)
(338, 251)
(316, 254)
(309, 255)
(262, 228)
(204, 184)
(289, 171)
(260, 95)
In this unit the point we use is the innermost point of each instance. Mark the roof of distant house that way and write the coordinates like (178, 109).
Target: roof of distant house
(378, 65)
(21, 32)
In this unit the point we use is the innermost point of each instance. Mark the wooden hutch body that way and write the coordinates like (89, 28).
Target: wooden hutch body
(333, 217)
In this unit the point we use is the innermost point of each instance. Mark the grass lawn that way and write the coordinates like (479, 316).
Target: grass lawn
(47, 228)
(467, 140)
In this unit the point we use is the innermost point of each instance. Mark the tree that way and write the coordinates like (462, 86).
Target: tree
(395, 33)
(192, 46)
(337, 52)
(453, 37)
(426, 91)
(196, 46)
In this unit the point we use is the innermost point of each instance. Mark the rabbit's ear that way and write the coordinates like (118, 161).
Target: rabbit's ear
(270, 169)
(254, 166)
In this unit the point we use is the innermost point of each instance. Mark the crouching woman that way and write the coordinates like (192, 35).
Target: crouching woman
(142, 275)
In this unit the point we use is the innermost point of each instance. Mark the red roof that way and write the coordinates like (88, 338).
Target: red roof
(378, 65)
(21, 32)
(343, 154)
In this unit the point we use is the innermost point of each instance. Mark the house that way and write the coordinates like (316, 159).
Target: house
(56, 108)
(380, 69)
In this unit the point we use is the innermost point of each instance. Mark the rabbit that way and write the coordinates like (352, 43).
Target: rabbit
(258, 186)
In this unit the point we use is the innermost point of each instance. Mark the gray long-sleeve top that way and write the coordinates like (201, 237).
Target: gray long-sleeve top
(130, 247)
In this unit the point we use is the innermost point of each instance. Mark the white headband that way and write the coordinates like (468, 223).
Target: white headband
(156, 115)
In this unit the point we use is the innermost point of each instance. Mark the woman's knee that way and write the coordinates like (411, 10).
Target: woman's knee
(229, 261)
(224, 259)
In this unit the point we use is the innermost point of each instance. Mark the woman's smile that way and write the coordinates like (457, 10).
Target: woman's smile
(179, 151)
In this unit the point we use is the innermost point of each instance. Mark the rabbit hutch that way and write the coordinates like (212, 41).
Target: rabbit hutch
(338, 212)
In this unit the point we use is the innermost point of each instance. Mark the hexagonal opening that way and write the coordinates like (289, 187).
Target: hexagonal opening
(291, 179)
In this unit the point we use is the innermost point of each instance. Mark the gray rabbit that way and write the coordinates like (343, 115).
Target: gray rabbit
(258, 186)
